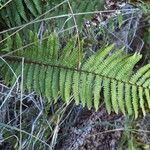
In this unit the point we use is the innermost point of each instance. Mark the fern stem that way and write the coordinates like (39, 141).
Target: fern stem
(18, 59)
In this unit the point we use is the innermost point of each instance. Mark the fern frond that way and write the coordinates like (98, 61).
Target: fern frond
(47, 72)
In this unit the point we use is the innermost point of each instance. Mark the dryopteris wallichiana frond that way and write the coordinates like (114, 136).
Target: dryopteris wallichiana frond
(60, 77)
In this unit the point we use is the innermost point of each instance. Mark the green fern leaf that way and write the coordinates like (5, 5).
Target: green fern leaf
(62, 80)
(108, 61)
(75, 87)
(19, 44)
(147, 93)
(9, 43)
(114, 96)
(29, 52)
(48, 83)
(42, 76)
(144, 78)
(81, 8)
(116, 65)
(135, 100)
(146, 85)
(53, 46)
(38, 5)
(141, 100)
(72, 60)
(128, 99)
(36, 79)
(67, 49)
(16, 16)
(31, 7)
(95, 60)
(17, 73)
(25, 75)
(97, 89)
(68, 86)
(7, 76)
(10, 14)
(89, 89)
(83, 79)
(4, 18)
(140, 73)
(30, 75)
(55, 85)
(18, 41)
(125, 72)
(120, 96)
(52, 71)
(107, 99)
(120, 19)
(20, 9)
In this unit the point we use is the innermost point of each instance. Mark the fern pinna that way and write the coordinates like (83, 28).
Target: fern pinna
(52, 71)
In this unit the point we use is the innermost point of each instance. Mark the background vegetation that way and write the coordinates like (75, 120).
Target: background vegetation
(55, 56)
